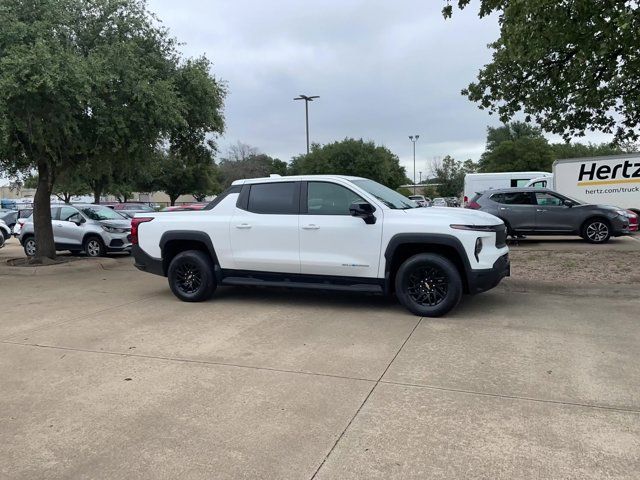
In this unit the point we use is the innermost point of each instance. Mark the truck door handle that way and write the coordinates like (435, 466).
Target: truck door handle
(243, 226)
(310, 227)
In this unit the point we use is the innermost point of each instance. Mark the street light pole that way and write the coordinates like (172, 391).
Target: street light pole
(307, 99)
(414, 139)
(420, 181)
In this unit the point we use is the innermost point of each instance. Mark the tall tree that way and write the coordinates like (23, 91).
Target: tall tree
(89, 85)
(449, 175)
(352, 157)
(516, 147)
(179, 175)
(570, 65)
(245, 161)
(67, 186)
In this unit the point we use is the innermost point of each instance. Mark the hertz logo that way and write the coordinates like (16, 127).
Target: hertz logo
(591, 174)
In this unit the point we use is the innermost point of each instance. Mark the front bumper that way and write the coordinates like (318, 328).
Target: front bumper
(145, 262)
(486, 279)
(620, 226)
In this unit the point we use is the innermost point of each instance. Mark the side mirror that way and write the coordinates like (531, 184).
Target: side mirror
(567, 203)
(363, 210)
(77, 219)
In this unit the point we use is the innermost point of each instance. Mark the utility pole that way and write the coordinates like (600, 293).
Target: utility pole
(307, 99)
(414, 139)
(420, 181)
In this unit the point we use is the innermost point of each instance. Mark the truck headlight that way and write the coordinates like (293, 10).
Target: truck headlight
(478, 249)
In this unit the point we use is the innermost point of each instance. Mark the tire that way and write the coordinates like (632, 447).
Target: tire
(507, 225)
(94, 247)
(29, 246)
(596, 230)
(1, 241)
(191, 276)
(439, 295)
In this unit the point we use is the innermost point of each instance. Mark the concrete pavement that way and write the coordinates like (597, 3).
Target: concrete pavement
(106, 375)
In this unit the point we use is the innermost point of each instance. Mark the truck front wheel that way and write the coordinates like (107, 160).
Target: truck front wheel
(191, 276)
(428, 285)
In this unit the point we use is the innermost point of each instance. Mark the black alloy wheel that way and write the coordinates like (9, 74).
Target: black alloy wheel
(191, 276)
(428, 284)
(188, 278)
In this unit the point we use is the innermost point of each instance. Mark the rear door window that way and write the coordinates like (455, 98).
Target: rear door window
(279, 198)
(513, 198)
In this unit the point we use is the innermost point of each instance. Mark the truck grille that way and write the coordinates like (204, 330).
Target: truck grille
(501, 236)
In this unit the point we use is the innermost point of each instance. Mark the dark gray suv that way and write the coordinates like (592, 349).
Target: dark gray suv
(538, 211)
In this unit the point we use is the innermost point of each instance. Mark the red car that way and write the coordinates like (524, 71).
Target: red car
(633, 221)
(183, 208)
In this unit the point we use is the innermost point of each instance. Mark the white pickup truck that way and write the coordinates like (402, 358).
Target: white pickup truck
(325, 232)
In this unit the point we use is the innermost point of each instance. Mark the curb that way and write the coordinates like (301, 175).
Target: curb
(81, 265)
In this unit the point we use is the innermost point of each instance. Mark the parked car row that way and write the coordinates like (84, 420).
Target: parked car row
(423, 201)
(89, 228)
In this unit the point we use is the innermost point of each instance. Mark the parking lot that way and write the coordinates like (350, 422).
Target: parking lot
(105, 374)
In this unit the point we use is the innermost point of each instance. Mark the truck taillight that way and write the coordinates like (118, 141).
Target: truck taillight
(135, 221)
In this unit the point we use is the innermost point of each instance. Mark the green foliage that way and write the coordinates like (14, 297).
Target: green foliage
(244, 161)
(576, 150)
(404, 191)
(516, 147)
(68, 185)
(449, 174)
(178, 175)
(352, 157)
(570, 65)
(91, 87)
(431, 191)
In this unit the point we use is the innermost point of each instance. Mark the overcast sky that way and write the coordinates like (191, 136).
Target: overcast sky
(383, 70)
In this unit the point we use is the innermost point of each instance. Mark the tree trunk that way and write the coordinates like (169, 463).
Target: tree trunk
(97, 192)
(45, 246)
(173, 199)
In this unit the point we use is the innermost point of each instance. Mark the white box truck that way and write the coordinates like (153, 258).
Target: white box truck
(610, 180)
(479, 182)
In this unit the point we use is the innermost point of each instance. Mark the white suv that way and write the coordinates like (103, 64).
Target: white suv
(327, 232)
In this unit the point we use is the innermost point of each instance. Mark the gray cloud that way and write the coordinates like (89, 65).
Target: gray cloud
(384, 70)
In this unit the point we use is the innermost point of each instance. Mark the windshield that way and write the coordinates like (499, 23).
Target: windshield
(98, 212)
(390, 198)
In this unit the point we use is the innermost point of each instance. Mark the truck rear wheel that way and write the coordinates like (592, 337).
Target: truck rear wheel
(191, 276)
(428, 285)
